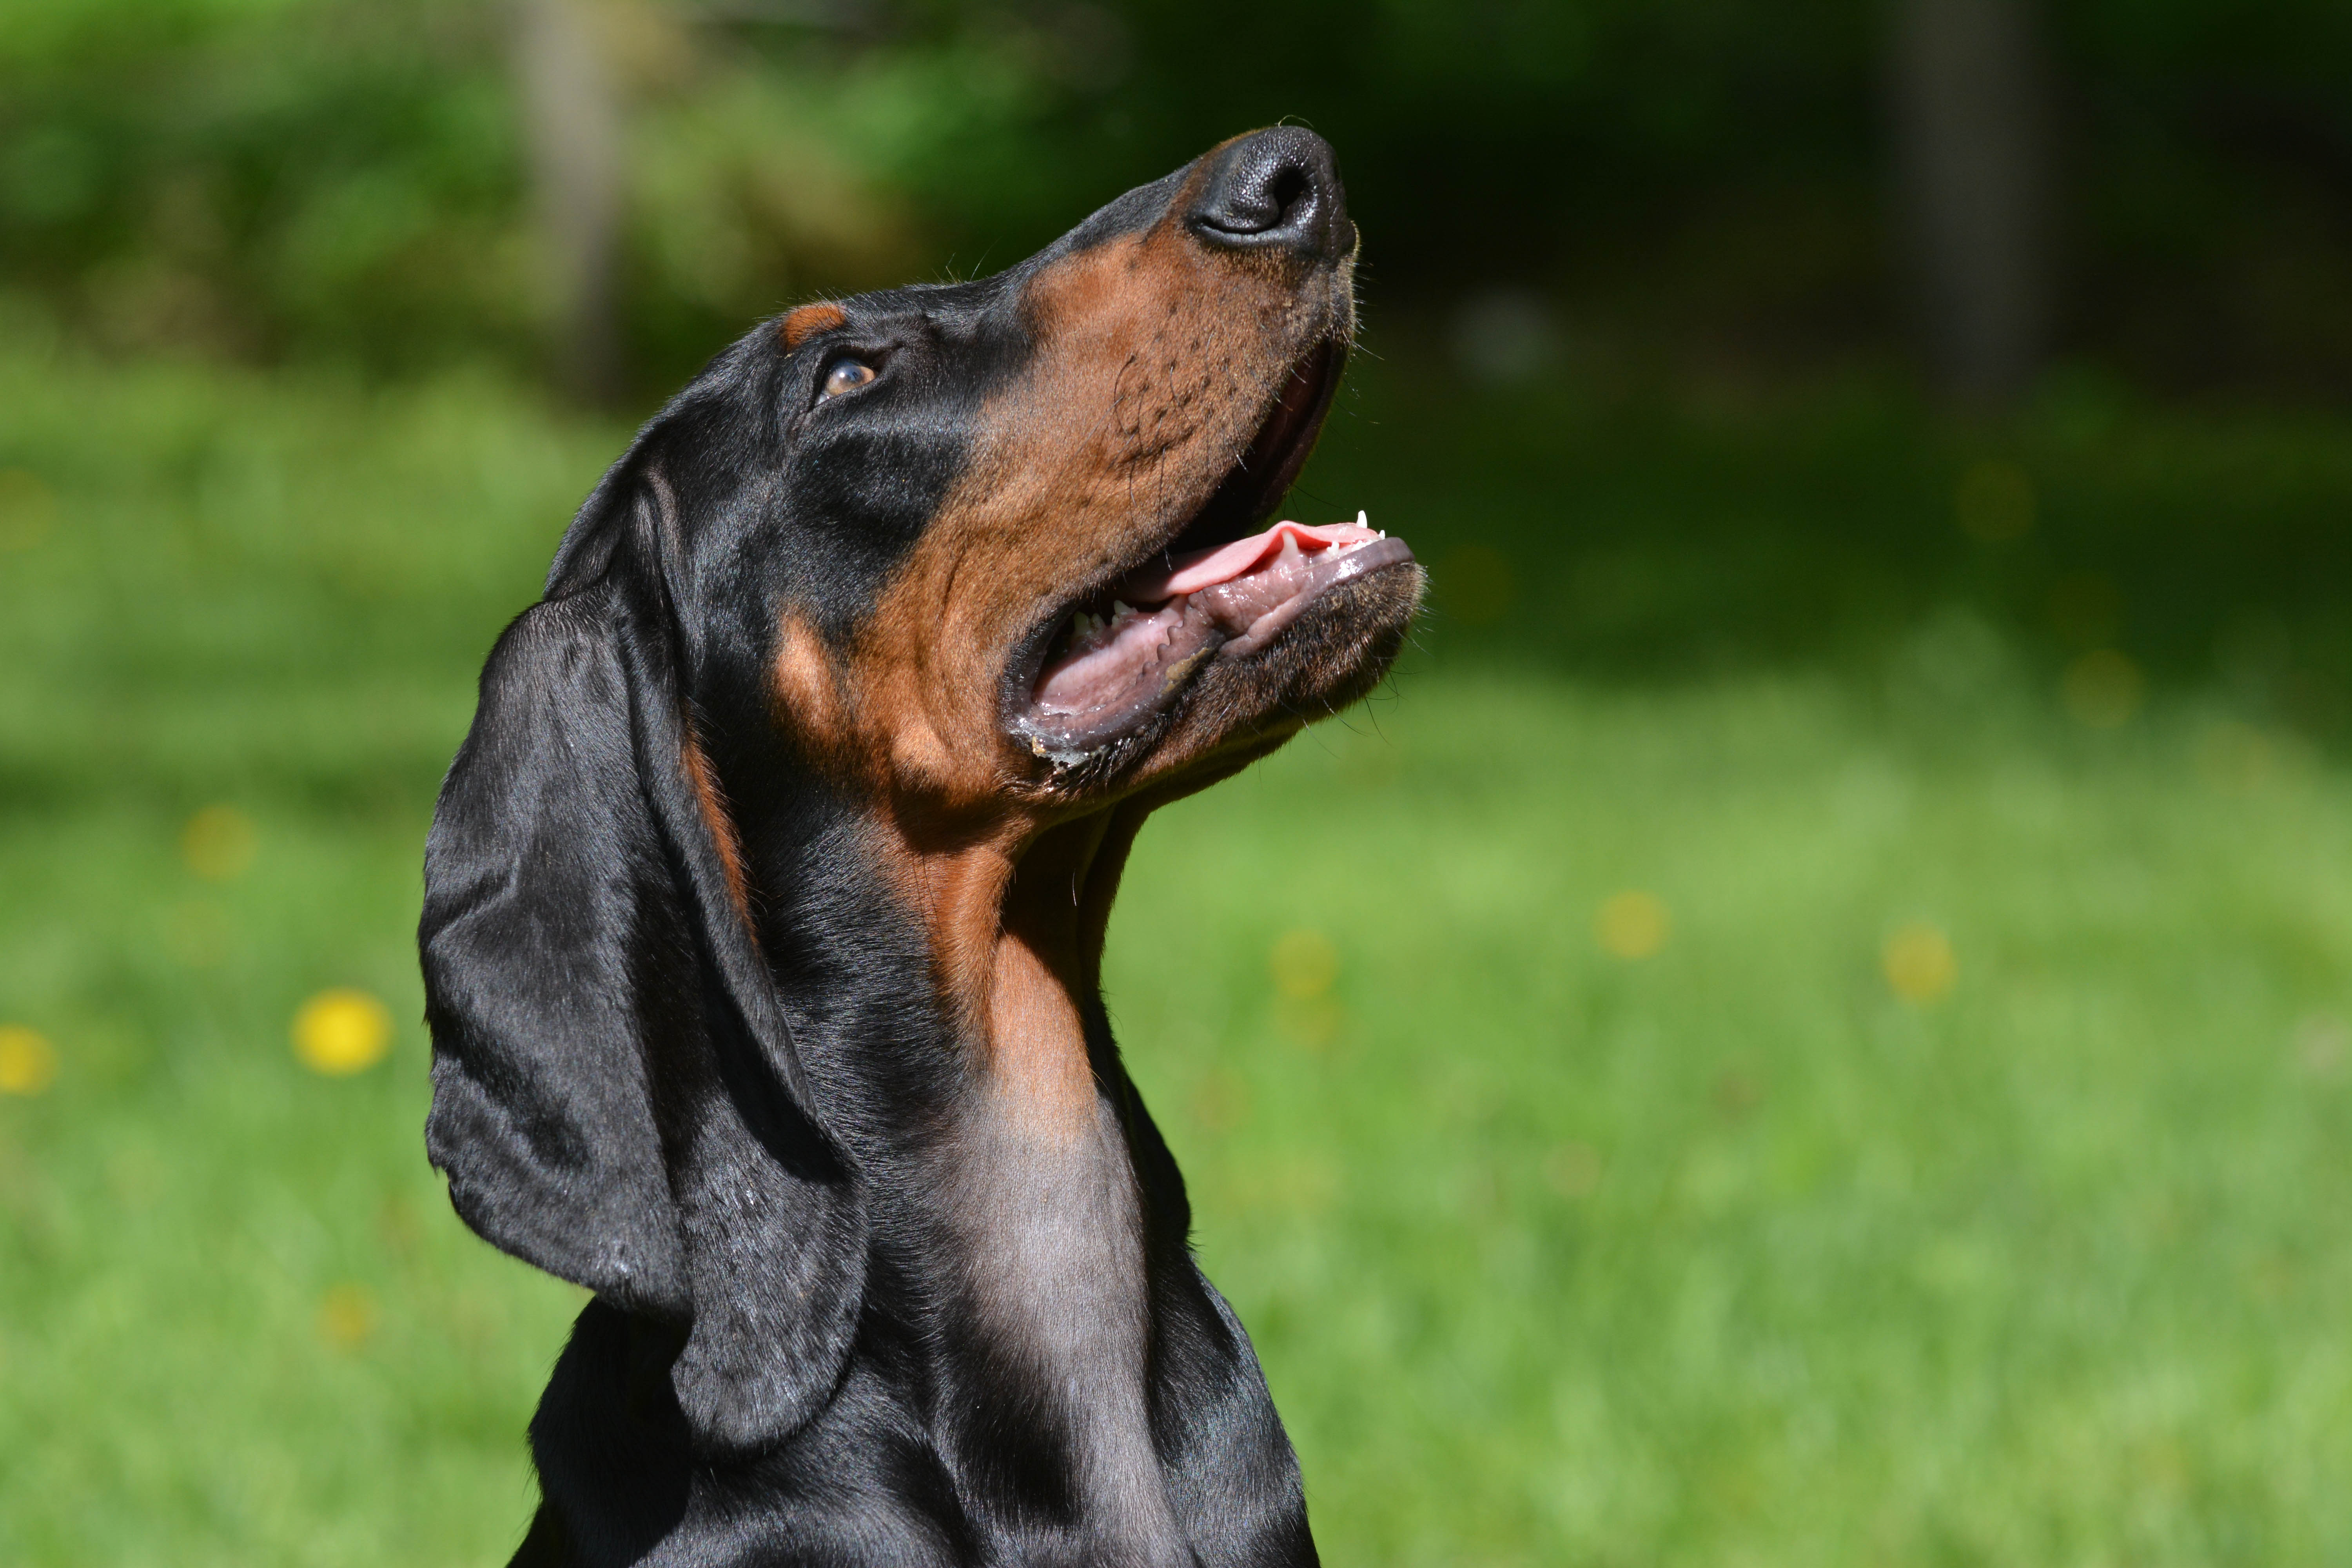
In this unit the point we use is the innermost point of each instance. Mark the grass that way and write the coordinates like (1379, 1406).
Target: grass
(1724, 1253)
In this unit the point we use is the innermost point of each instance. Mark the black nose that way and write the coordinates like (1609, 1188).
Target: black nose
(1279, 190)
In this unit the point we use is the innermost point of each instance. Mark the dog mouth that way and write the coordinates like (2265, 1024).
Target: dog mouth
(1225, 586)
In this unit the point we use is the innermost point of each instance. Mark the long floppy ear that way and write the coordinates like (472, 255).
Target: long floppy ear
(615, 1096)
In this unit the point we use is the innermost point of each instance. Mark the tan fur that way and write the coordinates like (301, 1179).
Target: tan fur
(716, 817)
(1014, 928)
(1037, 1048)
(1156, 360)
(805, 322)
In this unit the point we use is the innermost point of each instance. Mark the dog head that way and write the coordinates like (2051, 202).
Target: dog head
(988, 556)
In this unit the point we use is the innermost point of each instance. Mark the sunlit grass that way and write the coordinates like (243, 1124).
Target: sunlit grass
(1895, 1113)
(1951, 1185)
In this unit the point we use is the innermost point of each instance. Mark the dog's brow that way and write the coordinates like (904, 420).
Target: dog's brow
(807, 321)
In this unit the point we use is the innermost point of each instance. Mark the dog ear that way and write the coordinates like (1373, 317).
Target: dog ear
(615, 1095)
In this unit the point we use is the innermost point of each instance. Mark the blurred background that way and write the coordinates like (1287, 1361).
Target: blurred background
(1815, 1032)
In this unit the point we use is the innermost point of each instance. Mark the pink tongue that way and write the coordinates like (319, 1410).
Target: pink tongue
(1207, 568)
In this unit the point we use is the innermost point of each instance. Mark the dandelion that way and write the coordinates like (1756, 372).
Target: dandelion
(1305, 964)
(1919, 964)
(29, 1063)
(1632, 924)
(218, 843)
(347, 1316)
(342, 1032)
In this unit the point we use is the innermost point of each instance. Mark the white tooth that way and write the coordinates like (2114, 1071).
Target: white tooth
(1120, 609)
(1364, 521)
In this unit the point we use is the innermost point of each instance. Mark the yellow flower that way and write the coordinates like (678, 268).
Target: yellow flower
(1919, 964)
(1305, 964)
(218, 843)
(29, 1063)
(347, 1316)
(1632, 924)
(342, 1032)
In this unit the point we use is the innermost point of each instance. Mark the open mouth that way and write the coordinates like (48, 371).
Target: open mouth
(1223, 587)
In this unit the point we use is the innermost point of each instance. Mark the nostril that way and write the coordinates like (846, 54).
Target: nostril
(1291, 186)
(1275, 189)
(1262, 200)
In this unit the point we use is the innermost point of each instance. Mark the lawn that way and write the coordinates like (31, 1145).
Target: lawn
(1870, 1094)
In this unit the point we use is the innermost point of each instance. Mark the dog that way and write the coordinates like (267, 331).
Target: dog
(765, 901)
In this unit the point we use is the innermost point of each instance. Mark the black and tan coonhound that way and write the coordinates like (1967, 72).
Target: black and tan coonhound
(764, 904)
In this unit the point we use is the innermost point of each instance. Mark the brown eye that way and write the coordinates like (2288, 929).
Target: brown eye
(846, 374)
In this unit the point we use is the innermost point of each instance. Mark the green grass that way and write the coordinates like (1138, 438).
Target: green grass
(1723, 1255)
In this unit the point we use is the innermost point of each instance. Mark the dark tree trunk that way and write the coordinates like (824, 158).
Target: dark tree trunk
(573, 129)
(1974, 161)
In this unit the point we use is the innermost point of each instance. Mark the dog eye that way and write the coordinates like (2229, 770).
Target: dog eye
(846, 374)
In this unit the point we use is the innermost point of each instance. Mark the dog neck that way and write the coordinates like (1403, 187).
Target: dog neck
(1016, 919)
(1032, 1175)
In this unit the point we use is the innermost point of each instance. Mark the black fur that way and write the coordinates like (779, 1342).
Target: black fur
(731, 1128)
